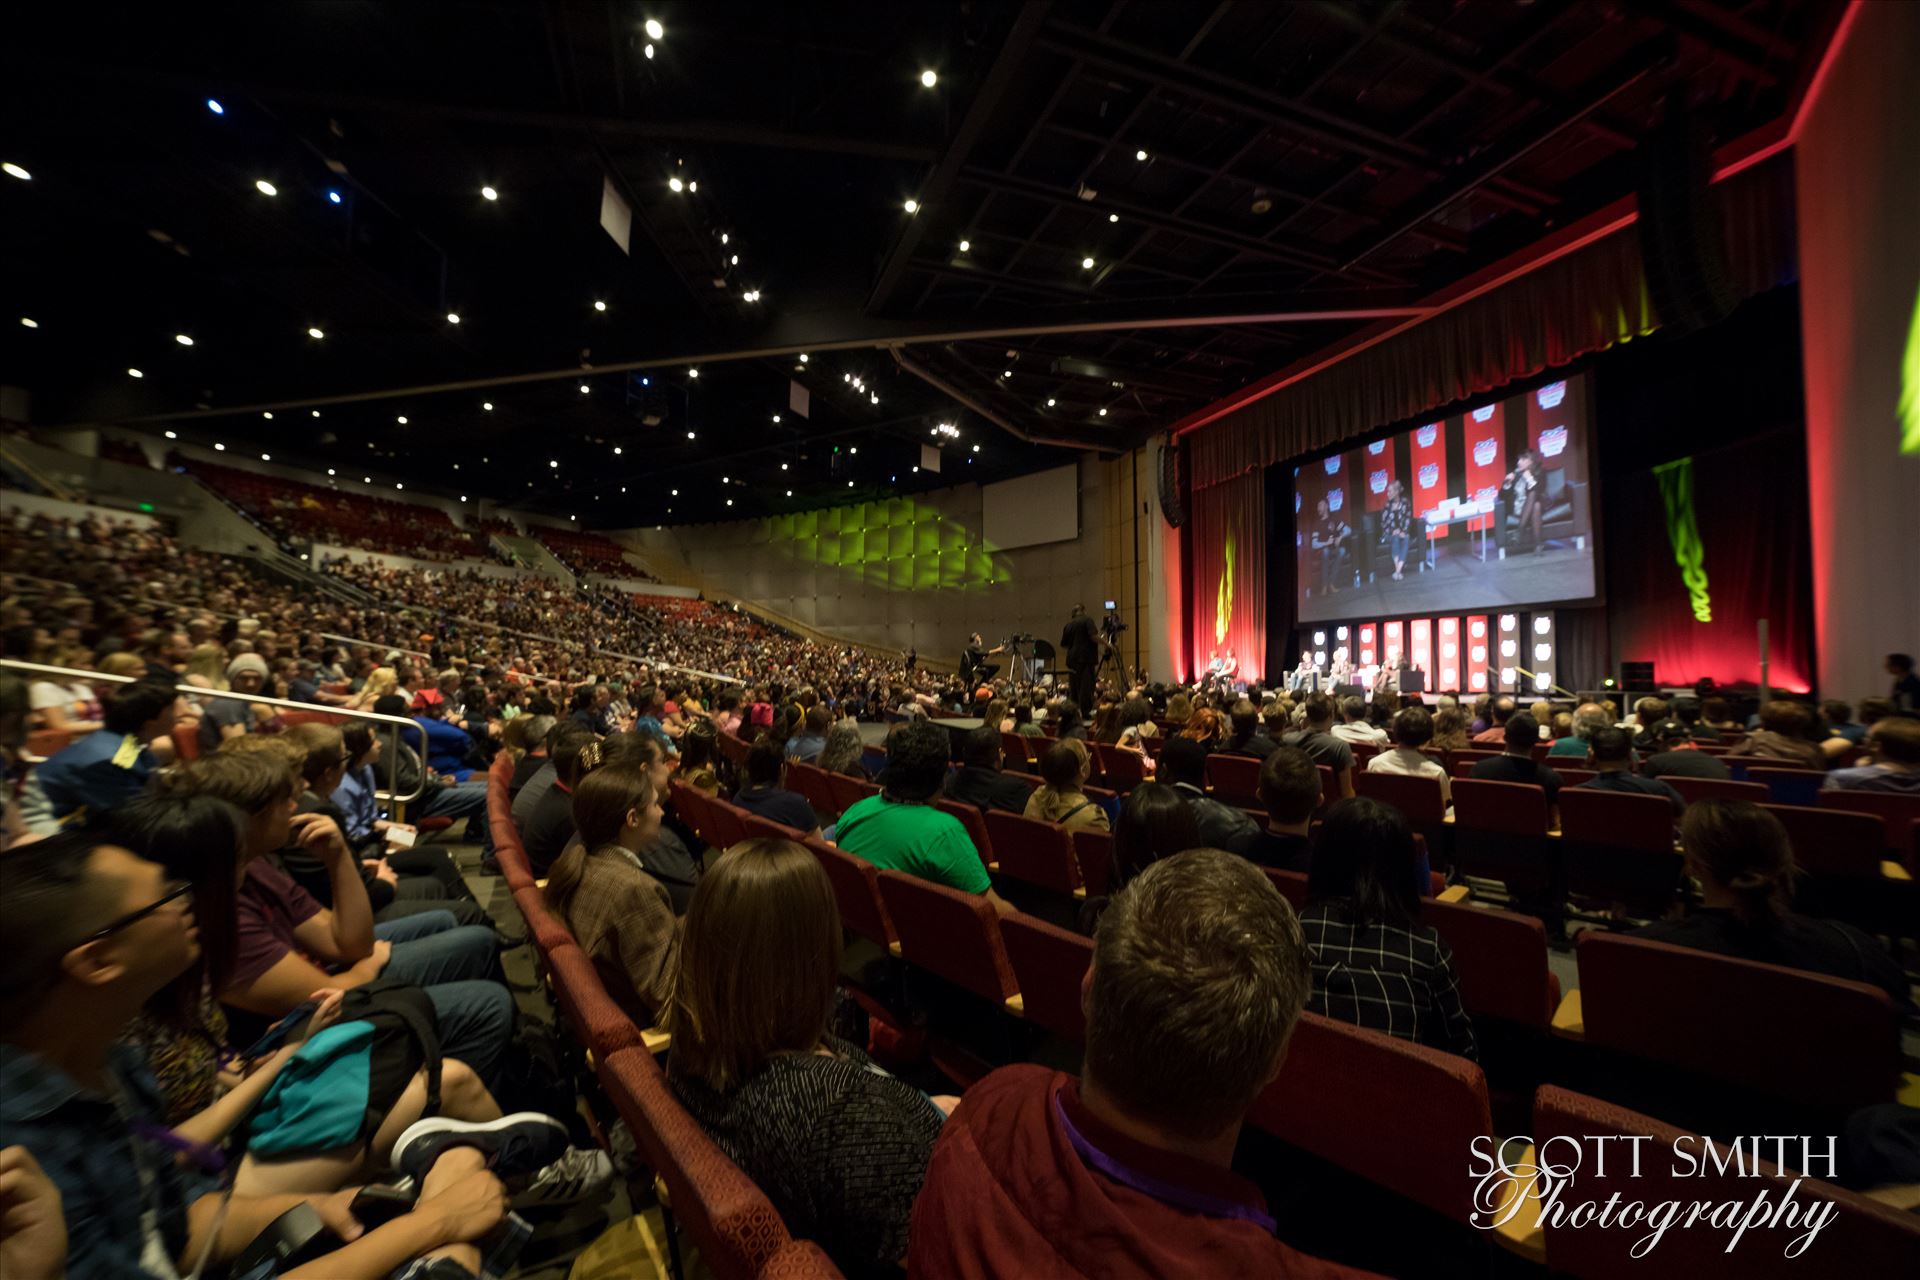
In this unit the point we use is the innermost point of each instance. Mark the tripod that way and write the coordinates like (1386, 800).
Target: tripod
(1111, 664)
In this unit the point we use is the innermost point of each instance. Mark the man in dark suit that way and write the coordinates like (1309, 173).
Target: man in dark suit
(979, 782)
(1081, 643)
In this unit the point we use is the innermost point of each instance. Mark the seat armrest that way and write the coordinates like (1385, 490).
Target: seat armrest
(1568, 1020)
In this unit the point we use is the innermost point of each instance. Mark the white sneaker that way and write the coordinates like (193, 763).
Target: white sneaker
(583, 1173)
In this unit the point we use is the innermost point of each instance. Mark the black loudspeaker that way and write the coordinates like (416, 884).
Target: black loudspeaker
(1636, 675)
(1682, 242)
(1173, 489)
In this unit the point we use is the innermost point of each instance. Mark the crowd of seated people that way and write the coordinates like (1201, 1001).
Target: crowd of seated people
(297, 513)
(586, 553)
(252, 871)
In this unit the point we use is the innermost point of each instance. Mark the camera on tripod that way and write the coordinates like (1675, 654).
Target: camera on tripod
(1111, 626)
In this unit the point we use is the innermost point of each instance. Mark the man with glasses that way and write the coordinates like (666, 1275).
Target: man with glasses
(93, 933)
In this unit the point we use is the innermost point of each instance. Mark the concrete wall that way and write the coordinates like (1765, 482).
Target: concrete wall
(912, 571)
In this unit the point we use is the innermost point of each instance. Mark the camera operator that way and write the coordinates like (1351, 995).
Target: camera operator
(1081, 643)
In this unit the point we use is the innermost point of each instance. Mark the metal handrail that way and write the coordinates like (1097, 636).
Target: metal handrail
(195, 691)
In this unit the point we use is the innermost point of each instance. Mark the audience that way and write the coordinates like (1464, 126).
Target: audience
(1374, 964)
(1611, 755)
(765, 795)
(1450, 731)
(900, 830)
(111, 764)
(1354, 726)
(807, 745)
(1064, 769)
(1249, 737)
(1499, 711)
(1412, 729)
(1199, 973)
(1786, 734)
(1183, 765)
(1741, 858)
(1516, 763)
(622, 916)
(1290, 789)
(548, 828)
(843, 751)
(837, 1144)
(1675, 755)
(1316, 738)
(979, 782)
(1155, 822)
(1895, 766)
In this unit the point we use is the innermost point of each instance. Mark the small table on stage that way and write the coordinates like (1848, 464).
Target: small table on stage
(1451, 512)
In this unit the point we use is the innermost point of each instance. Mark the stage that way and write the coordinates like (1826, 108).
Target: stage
(1458, 574)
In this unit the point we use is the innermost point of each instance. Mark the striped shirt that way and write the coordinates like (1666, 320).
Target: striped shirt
(1386, 978)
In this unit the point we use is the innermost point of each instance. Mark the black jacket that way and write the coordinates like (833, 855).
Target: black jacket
(1080, 641)
(988, 789)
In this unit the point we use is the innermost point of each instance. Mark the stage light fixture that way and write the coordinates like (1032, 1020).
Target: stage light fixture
(265, 188)
(213, 105)
(803, 357)
(690, 435)
(693, 373)
(654, 30)
(1006, 373)
(976, 448)
(1113, 217)
(585, 389)
(1319, 638)
(674, 493)
(553, 462)
(734, 261)
(266, 457)
(966, 246)
(723, 237)
(1051, 402)
(854, 449)
(135, 373)
(875, 398)
(789, 493)
(13, 170)
(729, 501)
(776, 417)
(1103, 413)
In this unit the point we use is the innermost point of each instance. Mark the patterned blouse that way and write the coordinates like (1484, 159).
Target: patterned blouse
(838, 1145)
(1386, 978)
(1398, 516)
(185, 1062)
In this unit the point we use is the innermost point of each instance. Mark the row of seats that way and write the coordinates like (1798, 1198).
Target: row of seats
(336, 515)
(738, 1231)
(1404, 1126)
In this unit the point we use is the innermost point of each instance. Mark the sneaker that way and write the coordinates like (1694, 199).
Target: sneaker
(515, 1145)
(583, 1173)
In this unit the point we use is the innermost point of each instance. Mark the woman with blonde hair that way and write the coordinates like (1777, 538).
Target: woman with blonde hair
(1065, 768)
(622, 917)
(209, 662)
(382, 681)
(839, 1146)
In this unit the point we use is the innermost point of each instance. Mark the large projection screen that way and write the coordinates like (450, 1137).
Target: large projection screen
(1042, 507)
(1434, 519)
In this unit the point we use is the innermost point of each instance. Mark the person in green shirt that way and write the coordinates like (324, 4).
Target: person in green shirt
(900, 830)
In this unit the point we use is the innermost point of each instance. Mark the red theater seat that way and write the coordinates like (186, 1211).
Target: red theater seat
(1618, 847)
(1500, 832)
(1419, 798)
(1692, 789)
(856, 888)
(1863, 1238)
(1093, 850)
(1234, 780)
(847, 792)
(602, 1025)
(1049, 964)
(953, 934)
(1900, 813)
(1034, 852)
(800, 1260)
(815, 785)
(974, 821)
(1500, 958)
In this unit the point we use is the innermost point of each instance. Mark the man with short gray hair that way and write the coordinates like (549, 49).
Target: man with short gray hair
(1199, 973)
(1587, 718)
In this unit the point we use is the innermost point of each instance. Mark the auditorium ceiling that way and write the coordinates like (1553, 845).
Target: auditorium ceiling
(1002, 231)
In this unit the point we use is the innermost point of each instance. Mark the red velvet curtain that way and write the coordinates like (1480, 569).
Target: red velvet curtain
(1227, 570)
(1587, 301)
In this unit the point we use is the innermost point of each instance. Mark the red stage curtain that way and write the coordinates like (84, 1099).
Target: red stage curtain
(1586, 301)
(1227, 567)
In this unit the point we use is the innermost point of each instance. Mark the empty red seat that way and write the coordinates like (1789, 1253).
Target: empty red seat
(735, 1225)
(1460, 763)
(1898, 812)
(1841, 853)
(1234, 780)
(847, 792)
(1863, 1237)
(1123, 769)
(1034, 852)
(815, 785)
(970, 817)
(1823, 1042)
(856, 888)
(1500, 958)
(1397, 1114)
(1013, 747)
(1049, 964)
(1618, 847)
(1692, 789)
(1093, 850)
(953, 934)
(1419, 798)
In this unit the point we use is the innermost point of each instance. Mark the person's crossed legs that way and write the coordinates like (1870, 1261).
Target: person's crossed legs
(458, 967)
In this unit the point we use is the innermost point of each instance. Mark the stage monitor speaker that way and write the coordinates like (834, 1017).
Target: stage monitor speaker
(1636, 675)
(1413, 682)
(1682, 243)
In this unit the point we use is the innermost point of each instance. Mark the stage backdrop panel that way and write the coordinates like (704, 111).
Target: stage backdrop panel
(1227, 566)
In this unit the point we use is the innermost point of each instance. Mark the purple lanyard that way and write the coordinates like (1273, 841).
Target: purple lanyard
(210, 1159)
(1165, 1192)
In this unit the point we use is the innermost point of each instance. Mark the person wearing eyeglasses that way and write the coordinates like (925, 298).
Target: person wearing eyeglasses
(93, 932)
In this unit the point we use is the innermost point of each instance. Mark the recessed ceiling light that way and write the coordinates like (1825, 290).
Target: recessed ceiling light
(916, 471)
(616, 451)
(265, 188)
(173, 435)
(649, 53)
(1103, 413)
(1006, 373)
(1050, 402)
(463, 497)
(333, 197)
(690, 435)
(1113, 217)
(29, 322)
(488, 406)
(693, 373)
(453, 317)
(268, 416)
(266, 457)
(849, 484)
(729, 501)
(553, 462)
(401, 419)
(213, 105)
(585, 389)
(674, 184)
(315, 333)
(966, 246)
(674, 492)
(13, 170)
(366, 479)
(789, 493)
(723, 237)
(654, 30)
(734, 261)
(488, 193)
(218, 447)
(599, 306)
(1086, 264)
(929, 78)
(316, 413)
(776, 417)
(693, 186)
(1140, 155)
(183, 339)
(976, 448)
(803, 357)
(135, 373)
(912, 206)
(331, 471)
